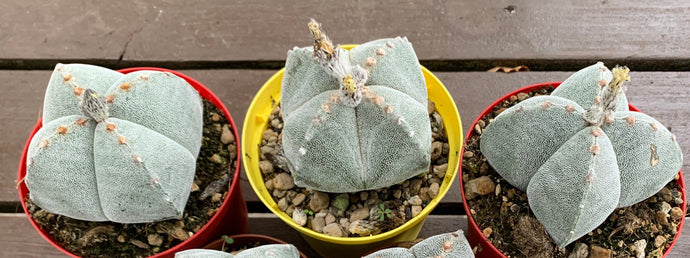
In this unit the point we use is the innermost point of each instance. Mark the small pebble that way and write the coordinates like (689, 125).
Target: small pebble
(440, 170)
(676, 213)
(639, 248)
(121, 238)
(330, 218)
(415, 210)
(299, 216)
(468, 154)
(513, 98)
(298, 199)
(155, 240)
(364, 195)
(415, 185)
(319, 201)
(415, 200)
(266, 167)
(659, 241)
(397, 193)
(333, 229)
(661, 218)
(479, 186)
(514, 208)
(436, 150)
(666, 194)
(360, 214)
(499, 111)
(487, 232)
(344, 222)
(665, 207)
(318, 223)
(283, 181)
(227, 136)
(477, 129)
(497, 192)
(216, 158)
(140, 244)
(433, 190)
(283, 204)
(522, 96)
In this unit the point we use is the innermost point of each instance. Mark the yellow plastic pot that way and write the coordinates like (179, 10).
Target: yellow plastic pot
(255, 124)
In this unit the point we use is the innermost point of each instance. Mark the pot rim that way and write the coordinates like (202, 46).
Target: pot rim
(203, 92)
(472, 225)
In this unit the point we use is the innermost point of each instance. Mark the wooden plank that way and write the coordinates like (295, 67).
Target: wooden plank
(245, 30)
(21, 240)
(661, 95)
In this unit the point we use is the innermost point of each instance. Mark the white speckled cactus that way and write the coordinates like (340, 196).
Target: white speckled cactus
(449, 245)
(354, 120)
(115, 147)
(577, 165)
(274, 250)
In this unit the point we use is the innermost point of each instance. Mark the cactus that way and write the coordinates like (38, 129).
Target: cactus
(273, 250)
(444, 245)
(115, 147)
(354, 120)
(577, 165)
(202, 253)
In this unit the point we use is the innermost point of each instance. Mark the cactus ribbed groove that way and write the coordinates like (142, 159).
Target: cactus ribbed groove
(354, 120)
(577, 165)
(273, 250)
(444, 245)
(115, 147)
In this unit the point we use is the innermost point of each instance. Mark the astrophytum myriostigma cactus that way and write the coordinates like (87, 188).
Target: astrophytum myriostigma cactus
(579, 153)
(354, 120)
(273, 250)
(449, 245)
(115, 147)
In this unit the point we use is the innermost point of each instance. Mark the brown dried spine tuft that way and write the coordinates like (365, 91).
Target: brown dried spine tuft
(78, 91)
(546, 105)
(125, 86)
(110, 127)
(81, 121)
(630, 120)
(62, 130)
(595, 149)
(67, 77)
(121, 140)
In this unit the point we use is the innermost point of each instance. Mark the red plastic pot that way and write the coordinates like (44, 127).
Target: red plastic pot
(233, 209)
(474, 233)
(242, 240)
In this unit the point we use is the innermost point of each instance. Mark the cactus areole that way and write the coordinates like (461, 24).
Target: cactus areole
(354, 120)
(115, 147)
(577, 165)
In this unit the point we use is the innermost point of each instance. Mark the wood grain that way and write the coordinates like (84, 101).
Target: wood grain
(21, 240)
(207, 30)
(660, 94)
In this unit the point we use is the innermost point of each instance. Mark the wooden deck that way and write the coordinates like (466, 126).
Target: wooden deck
(233, 47)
